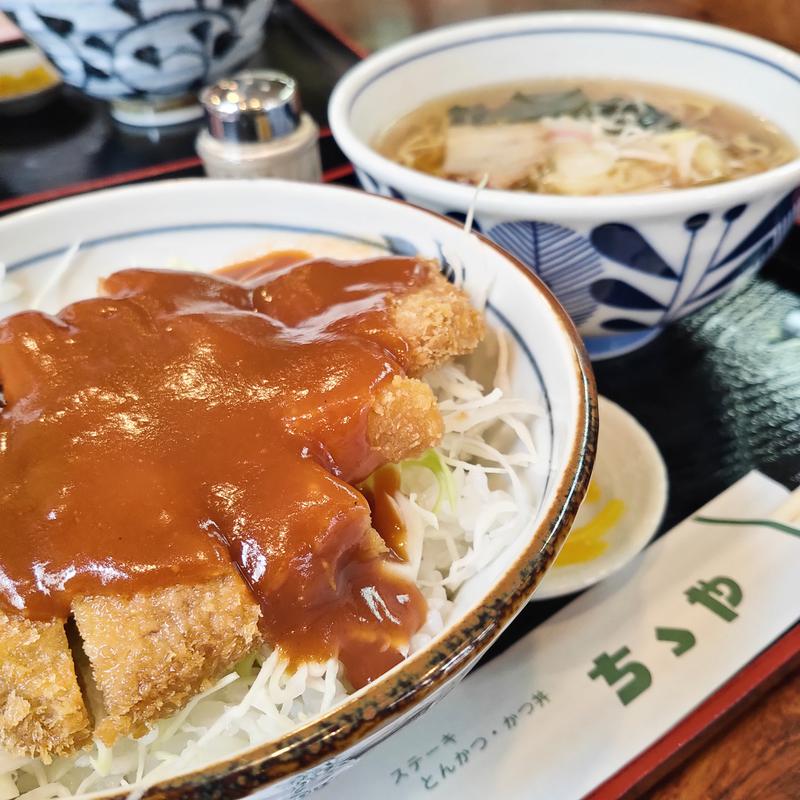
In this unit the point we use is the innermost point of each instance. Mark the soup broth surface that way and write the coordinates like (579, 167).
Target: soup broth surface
(585, 137)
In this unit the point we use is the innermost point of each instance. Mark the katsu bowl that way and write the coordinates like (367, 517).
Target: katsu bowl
(640, 165)
(279, 462)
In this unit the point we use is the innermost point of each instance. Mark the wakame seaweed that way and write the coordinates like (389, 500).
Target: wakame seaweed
(521, 107)
(621, 110)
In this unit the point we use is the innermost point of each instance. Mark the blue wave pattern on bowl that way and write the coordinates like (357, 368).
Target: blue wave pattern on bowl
(615, 282)
(141, 48)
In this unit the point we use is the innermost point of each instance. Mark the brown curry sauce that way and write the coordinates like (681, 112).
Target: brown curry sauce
(186, 421)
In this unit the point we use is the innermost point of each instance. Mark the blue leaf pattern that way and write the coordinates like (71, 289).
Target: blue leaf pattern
(399, 246)
(694, 223)
(625, 245)
(754, 260)
(618, 294)
(621, 325)
(778, 217)
(572, 264)
(371, 185)
(563, 259)
(367, 181)
(732, 214)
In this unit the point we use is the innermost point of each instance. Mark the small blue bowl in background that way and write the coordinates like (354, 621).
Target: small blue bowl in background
(148, 57)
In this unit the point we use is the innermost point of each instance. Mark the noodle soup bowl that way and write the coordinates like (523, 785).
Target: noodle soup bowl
(624, 266)
(206, 224)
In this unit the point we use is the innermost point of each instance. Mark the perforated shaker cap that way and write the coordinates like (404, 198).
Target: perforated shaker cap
(253, 106)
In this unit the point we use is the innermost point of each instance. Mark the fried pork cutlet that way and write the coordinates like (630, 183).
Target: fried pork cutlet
(42, 713)
(438, 323)
(151, 653)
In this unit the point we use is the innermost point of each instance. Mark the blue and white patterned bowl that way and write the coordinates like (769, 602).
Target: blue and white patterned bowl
(623, 266)
(150, 50)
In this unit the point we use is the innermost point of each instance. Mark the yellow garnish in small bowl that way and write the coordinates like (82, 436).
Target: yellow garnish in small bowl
(27, 82)
(586, 542)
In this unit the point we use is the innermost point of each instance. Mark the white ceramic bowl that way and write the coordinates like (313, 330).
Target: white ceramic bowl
(623, 266)
(207, 224)
(156, 51)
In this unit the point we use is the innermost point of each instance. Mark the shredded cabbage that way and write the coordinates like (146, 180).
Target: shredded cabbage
(433, 462)
(8, 292)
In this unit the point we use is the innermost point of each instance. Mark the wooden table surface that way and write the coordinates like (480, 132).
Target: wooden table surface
(757, 755)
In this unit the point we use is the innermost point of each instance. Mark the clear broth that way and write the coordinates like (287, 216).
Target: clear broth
(742, 143)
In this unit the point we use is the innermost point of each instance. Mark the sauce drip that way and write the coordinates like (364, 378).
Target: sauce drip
(379, 492)
(185, 423)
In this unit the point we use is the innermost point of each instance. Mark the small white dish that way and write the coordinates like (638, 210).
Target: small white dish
(629, 482)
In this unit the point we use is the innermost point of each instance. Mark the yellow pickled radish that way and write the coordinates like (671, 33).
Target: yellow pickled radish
(26, 82)
(586, 542)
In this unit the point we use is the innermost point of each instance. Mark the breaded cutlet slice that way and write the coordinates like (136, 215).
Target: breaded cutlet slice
(438, 323)
(42, 713)
(151, 653)
(404, 420)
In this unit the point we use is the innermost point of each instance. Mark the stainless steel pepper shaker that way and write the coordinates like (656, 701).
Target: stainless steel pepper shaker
(256, 128)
